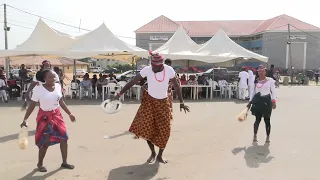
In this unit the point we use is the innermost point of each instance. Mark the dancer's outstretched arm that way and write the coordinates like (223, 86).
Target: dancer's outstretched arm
(131, 83)
(28, 113)
(177, 87)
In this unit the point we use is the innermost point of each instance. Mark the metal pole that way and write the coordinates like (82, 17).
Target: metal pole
(6, 29)
(74, 70)
(289, 46)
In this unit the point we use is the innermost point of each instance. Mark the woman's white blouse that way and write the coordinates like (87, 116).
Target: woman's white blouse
(48, 100)
(265, 89)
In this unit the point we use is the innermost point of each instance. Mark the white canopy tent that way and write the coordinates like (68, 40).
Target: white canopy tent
(221, 45)
(44, 40)
(181, 47)
(179, 44)
(100, 42)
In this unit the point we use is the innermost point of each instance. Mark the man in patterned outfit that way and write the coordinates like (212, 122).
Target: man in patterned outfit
(152, 121)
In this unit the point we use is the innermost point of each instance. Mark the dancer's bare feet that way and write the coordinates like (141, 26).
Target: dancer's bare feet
(161, 160)
(152, 158)
(255, 138)
(268, 139)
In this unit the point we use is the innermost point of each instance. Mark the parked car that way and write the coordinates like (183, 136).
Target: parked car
(128, 74)
(96, 70)
(112, 70)
(80, 72)
(219, 73)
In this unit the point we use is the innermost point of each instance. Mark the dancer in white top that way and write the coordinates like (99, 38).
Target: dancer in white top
(152, 121)
(243, 83)
(251, 82)
(45, 65)
(263, 101)
(51, 127)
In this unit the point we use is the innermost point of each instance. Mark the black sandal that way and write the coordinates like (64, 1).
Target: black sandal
(42, 169)
(67, 166)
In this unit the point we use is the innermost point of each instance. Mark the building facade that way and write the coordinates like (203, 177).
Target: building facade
(266, 37)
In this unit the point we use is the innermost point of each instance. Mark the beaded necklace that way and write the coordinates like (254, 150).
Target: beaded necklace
(263, 82)
(164, 75)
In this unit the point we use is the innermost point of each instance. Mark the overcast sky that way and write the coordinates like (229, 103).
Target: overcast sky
(123, 17)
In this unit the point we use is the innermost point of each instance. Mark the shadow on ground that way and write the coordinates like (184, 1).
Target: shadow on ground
(31, 176)
(11, 137)
(120, 135)
(136, 172)
(255, 155)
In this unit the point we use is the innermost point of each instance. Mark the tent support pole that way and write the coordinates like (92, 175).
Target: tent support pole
(74, 70)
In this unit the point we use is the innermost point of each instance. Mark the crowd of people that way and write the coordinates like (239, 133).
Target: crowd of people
(153, 119)
(247, 78)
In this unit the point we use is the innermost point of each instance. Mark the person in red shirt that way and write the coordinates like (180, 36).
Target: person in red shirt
(183, 80)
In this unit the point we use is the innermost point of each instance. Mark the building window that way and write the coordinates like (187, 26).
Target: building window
(257, 37)
(245, 38)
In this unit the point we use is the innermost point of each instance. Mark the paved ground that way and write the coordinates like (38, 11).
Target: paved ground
(206, 144)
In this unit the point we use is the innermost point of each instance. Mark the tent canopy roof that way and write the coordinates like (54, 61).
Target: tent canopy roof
(45, 41)
(101, 41)
(46, 38)
(179, 43)
(222, 45)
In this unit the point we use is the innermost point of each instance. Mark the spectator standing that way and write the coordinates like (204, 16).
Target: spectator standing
(243, 83)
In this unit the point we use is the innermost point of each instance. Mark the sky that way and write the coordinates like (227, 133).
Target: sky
(123, 17)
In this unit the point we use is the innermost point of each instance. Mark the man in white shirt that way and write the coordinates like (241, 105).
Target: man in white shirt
(152, 121)
(243, 83)
(3, 88)
(251, 81)
(222, 84)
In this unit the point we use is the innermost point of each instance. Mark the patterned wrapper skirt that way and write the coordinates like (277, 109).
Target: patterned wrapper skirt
(50, 123)
(152, 121)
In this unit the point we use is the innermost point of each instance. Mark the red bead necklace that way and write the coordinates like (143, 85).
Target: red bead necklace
(164, 75)
(263, 82)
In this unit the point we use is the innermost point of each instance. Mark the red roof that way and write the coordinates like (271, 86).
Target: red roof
(232, 28)
(160, 24)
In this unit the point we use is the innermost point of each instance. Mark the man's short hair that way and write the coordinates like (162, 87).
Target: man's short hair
(168, 61)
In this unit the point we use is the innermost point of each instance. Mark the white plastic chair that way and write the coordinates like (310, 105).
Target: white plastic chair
(74, 88)
(86, 92)
(67, 89)
(223, 89)
(110, 88)
(215, 89)
(121, 84)
(2, 92)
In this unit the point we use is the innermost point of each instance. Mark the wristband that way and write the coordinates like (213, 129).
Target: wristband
(273, 101)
